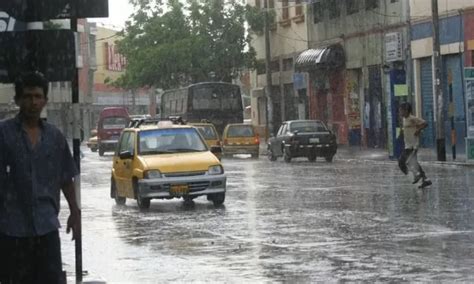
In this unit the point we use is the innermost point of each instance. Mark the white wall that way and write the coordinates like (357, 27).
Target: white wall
(420, 9)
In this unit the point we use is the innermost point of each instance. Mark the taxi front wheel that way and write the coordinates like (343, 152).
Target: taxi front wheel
(118, 199)
(143, 203)
(217, 198)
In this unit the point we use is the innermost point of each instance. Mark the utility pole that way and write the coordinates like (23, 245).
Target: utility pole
(76, 141)
(409, 59)
(268, 72)
(438, 88)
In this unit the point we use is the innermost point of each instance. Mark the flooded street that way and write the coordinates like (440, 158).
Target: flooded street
(298, 222)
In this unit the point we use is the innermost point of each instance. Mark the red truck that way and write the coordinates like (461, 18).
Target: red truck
(112, 121)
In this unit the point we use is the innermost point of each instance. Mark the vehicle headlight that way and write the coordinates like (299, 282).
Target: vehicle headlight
(152, 174)
(215, 170)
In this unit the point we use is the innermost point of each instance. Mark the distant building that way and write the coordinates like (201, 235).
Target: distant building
(288, 38)
(110, 66)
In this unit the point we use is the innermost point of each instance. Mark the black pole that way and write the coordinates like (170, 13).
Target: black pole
(438, 88)
(268, 73)
(76, 142)
(451, 114)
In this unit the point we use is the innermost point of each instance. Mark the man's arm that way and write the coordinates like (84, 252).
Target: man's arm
(420, 125)
(73, 222)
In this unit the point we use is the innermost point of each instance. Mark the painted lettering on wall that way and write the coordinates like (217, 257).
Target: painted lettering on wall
(115, 61)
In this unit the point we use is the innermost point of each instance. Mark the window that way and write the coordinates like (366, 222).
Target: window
(275, 66)
(298, 8)
(318, 12)
(258, 3)
(207, 132)
(285, 12)
(114, 122)
(288, 64)
(260, 67)
(393, 1)
(308, 126)
(280, 131)
(271, 4)
(127, 143)
(163, 141)
(371, 4)
(240, 131)
(284, 130)
(352, 6)
(334, 9)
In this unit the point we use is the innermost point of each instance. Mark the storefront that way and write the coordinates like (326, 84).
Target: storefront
(326, 85)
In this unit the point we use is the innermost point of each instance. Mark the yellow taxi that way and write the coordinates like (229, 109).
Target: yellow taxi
(241, 139)
(209, 132)
(163, 161)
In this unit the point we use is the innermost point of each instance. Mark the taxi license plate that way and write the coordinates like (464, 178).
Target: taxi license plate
(313, 140)
(179, 189)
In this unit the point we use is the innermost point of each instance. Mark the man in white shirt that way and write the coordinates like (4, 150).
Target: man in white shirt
(412, 127)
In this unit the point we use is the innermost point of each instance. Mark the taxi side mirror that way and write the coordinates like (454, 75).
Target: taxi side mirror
(216, 150)
(125, 155)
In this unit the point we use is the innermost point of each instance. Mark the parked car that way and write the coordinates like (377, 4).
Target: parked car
(209, 132)
(302, 138)
(92, 142)
(241, 139)
(165, 161)
(112, 121)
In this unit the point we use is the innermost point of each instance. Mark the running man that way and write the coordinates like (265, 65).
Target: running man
(412, 127)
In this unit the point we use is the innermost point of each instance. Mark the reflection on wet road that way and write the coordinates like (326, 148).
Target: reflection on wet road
(284, 222)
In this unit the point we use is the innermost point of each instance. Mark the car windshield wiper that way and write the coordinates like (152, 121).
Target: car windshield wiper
(155, 152)
(185, 150)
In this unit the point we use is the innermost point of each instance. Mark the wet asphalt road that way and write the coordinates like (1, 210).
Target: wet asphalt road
(298, 222)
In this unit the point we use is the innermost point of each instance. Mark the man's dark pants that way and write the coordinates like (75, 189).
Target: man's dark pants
(31, 260)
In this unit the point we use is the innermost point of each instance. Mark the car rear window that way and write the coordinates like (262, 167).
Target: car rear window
(308, 126)
(240, 131)
(207, 132)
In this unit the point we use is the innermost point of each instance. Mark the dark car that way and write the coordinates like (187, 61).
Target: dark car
(302, 138)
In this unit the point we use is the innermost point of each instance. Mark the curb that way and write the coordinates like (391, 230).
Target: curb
(436, 163)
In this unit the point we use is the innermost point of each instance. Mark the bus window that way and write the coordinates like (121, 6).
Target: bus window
(206, 98)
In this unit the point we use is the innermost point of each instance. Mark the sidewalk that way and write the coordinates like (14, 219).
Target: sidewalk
(424, 156)
(381, 155)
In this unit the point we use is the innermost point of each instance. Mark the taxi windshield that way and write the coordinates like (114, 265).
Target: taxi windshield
(163, 141)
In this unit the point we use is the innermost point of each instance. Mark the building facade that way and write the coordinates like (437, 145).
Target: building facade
(288, 38)
(356, 53)
(110, 66)
(456, 34)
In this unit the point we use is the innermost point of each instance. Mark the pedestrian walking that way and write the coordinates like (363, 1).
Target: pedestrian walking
(35, 165)
(408, 161)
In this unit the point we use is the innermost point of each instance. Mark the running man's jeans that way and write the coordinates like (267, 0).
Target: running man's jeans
(408, 161)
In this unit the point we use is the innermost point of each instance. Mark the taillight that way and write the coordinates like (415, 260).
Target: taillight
(257, 140)
(218, 143)
(225, 141)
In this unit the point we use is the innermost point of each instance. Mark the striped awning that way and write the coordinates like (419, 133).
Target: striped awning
(327, 57)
